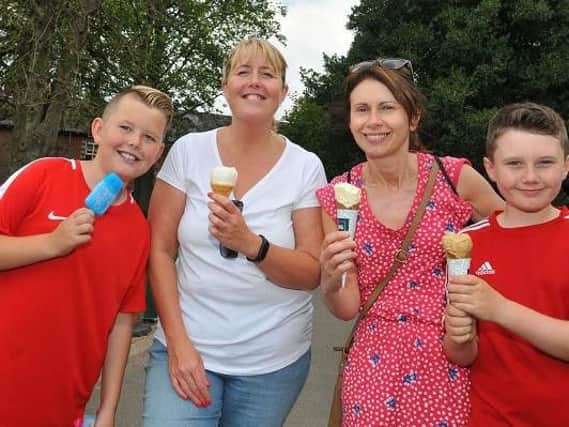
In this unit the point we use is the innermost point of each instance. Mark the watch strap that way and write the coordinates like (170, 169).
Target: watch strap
(263, 250)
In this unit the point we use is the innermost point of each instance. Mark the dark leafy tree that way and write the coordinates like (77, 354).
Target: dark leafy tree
(60, 60)
(471, 57)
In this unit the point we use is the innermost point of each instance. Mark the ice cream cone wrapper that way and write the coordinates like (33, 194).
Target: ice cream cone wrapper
(346, 220)
(458, 267)
(223, 179)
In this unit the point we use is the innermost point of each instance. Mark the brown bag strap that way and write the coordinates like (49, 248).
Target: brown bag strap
(400, 256)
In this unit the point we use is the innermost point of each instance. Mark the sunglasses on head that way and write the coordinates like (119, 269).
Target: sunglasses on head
(387, 63)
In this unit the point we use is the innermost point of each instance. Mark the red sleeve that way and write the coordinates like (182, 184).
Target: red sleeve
(453, 166)
(18, 196)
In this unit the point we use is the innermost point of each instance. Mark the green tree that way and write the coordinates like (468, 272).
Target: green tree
(40, 49)
(470, 58)
(61, 59)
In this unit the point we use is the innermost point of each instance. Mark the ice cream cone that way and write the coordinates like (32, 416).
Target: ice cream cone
(348, 198)
(222, 189)
(457, 249)
(223, 180)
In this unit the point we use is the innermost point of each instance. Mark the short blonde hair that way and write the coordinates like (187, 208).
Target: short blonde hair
(151, 97)
(251, 47)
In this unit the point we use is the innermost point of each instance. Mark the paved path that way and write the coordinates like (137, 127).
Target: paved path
(311, 409)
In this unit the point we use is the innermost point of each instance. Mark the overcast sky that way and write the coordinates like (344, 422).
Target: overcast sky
(312, 27)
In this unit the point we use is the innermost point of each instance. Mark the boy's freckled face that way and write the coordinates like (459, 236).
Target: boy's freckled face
(129, 137)
(528, 169)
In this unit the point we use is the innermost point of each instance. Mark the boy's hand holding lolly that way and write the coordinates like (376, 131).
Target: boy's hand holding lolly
(347, 202)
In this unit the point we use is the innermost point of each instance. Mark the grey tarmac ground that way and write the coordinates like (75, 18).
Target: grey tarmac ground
(311, 409)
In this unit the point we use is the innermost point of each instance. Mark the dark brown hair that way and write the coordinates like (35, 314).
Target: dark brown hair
(529, 117)
(400, 84)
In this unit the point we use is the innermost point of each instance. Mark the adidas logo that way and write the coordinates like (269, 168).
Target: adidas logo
(484, 269)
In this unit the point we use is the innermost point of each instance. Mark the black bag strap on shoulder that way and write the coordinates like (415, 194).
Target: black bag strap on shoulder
(445, 174)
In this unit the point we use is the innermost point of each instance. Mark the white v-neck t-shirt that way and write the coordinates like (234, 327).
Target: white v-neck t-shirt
(239, 321)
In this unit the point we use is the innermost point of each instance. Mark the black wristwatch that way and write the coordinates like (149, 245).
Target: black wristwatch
(262, 250)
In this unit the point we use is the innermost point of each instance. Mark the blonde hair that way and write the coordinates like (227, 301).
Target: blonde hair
(252, 47)
(149, 96)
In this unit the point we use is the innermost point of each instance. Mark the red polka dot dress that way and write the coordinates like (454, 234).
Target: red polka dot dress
(397, 373)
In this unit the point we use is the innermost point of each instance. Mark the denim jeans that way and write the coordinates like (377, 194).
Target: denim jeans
(89, 421)
(237, 401)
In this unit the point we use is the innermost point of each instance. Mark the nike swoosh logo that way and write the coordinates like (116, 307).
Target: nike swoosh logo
(53, 217)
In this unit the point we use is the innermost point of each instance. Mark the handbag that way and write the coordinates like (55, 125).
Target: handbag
(400, 257)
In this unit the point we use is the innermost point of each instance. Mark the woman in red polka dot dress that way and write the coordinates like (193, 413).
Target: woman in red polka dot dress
(397, 373)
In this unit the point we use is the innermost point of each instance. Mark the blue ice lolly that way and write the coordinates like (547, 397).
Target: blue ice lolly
(104, 194)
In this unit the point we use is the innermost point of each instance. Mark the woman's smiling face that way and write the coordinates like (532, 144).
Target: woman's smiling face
(378, 122)
(254, 88)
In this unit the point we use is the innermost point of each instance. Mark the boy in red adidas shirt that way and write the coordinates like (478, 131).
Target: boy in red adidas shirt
(70, 284)
(519, 289)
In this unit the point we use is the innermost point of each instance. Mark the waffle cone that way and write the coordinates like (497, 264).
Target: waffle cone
(221, 188)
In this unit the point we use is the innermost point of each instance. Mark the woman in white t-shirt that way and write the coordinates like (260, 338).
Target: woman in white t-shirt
(233, 344)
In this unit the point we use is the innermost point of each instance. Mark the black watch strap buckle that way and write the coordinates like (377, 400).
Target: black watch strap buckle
(263, 249)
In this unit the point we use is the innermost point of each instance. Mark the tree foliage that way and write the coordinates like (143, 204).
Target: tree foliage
(40, 49)
(60, 60)
(470, 57)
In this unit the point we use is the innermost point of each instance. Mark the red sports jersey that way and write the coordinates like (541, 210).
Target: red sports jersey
(514, 383)
(56, 315)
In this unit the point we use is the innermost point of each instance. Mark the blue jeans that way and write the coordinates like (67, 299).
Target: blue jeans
(237, 401)
(88, 421)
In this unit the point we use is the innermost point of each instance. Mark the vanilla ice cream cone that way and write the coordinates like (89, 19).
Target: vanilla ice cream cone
(457, 249)
(348, 198)
(223, 180)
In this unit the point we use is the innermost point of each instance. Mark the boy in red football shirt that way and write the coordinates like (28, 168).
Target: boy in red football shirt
(70, 284)
(518, 291)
